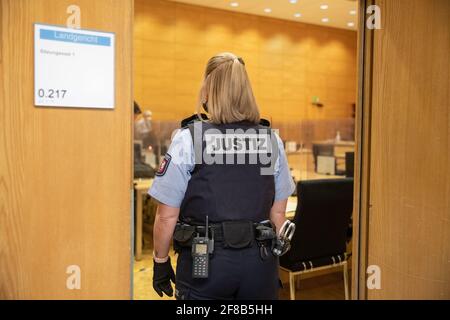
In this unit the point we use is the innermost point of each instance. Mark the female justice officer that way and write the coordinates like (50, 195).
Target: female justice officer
(230, 195)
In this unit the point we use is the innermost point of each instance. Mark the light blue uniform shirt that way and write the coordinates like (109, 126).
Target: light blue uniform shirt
(169, 187)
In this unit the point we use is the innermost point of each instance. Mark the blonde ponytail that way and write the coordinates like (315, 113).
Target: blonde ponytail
(227, 90)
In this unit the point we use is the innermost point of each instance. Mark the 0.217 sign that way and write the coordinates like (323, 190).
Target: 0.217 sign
(73, 67)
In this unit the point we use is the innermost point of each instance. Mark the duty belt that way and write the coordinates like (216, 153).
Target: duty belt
(229, 234)
(215, 230)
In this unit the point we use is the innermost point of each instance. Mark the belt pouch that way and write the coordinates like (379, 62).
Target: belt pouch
(237, 234)
(182, 237)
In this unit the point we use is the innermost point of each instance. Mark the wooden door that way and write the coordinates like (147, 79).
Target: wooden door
(408, 151)
(65, 174)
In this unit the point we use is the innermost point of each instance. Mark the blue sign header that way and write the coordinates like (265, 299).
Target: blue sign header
(74, 37)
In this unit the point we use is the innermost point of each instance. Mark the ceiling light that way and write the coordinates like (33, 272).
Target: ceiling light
(293, 1)
(324, 6)
(325, 20)
(353, 12)
(351, 24)
(297, 15)
(234, 4)
(267, 10)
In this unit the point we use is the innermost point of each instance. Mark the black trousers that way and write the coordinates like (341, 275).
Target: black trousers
(234, 274)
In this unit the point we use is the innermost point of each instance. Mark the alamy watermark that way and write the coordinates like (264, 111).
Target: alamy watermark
(374, 277)
(374, 19)
(73, 281)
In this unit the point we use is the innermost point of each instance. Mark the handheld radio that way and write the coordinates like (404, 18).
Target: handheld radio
(201, 248)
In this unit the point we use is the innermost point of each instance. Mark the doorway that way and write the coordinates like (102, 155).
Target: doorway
(304, 76)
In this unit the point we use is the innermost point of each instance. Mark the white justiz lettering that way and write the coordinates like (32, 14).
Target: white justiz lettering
(234, 143)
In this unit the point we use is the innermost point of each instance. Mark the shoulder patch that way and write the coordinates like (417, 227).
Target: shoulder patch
(164, 165)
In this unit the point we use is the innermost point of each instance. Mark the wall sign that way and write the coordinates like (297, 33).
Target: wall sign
(73, 67)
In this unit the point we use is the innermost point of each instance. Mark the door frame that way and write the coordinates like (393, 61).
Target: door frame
(361, 203)
(361, 199)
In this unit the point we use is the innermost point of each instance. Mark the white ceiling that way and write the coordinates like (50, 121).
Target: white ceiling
(338, 11)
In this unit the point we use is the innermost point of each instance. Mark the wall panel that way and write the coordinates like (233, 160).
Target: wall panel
(288, 62)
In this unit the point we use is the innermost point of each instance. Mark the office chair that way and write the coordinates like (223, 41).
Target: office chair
(322, 218)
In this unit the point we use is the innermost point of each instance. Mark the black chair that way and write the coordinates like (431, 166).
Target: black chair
(322, 218)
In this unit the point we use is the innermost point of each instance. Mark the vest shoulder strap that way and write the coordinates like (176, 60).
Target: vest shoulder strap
(192, 119)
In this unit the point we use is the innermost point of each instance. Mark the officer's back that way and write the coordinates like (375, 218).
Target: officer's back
(222, 189)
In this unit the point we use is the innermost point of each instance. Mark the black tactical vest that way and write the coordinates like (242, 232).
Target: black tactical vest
(228, 192)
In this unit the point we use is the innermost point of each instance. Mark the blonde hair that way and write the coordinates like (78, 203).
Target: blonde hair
(226, 89)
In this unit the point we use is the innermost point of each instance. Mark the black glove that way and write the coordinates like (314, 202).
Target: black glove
(162, 274)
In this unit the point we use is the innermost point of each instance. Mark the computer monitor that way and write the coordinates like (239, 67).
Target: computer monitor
(349, 164)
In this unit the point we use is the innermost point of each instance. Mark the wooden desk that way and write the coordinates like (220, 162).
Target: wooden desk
(291, 207)
(141, 187)
(301, 160)
(341, 147)
(339, 150)
(300, 175)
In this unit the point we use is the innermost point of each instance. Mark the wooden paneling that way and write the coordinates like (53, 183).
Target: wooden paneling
(288, 62)
(65, 174)
(409, 217)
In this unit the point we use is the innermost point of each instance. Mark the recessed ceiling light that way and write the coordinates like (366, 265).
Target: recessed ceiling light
(353, 12)
(234, 4)
(325, 19)
(324, 6)
(267, 10)
(297, 15)
(351, 24)
(293, 1)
